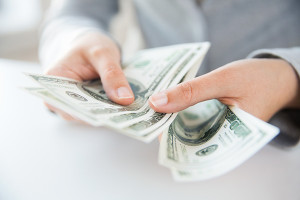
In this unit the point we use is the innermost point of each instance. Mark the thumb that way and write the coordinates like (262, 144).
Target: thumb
(188, 93)
(107, 64)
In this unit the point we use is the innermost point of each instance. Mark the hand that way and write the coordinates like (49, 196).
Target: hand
(94, 55)
(260, 87)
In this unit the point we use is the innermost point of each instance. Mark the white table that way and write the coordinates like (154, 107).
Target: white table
(44, 157)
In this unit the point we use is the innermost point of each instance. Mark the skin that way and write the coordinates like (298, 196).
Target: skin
(261, 87)
(91, 56)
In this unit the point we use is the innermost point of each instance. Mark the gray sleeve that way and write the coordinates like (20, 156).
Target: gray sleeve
(67, 19)
(287, 120)
(291, 55)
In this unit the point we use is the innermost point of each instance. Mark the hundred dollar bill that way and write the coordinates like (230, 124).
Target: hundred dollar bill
(61, 104)
(210, 139)
(86, 97)
(126, 120)
(145, 130)
(222, 166)
(82, 99)
(148, 72)
(149, 128)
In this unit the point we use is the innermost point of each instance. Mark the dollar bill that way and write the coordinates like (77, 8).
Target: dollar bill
(88, 97)
(84, 100)
(61, 104)
(210, 139)
(201, 142)
(149, 72)
(222, 166)
(145, 130)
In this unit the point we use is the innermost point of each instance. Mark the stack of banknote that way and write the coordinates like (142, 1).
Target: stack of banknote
(201, 142)
(210, 139)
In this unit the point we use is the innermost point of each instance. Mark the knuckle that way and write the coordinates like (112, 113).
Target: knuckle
(74, 50)
(51, 71)
(187, 91)
(98, 51)
(111, 72)
(56, 70)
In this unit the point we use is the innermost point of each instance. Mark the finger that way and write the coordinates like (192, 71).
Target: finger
(65, 116)
(113, 79)
(73, 66)
(209, 86)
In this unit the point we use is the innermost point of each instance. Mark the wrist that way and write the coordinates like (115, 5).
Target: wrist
(291, 88)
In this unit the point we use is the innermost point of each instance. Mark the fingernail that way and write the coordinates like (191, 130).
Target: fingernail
(159, 99)
(124, 93)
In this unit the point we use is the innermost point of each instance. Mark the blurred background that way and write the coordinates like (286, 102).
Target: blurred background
(19, 26)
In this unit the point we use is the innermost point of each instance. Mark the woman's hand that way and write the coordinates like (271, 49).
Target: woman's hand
(260, 87)
(94, 55)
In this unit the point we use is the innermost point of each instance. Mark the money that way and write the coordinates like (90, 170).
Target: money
(201, 142)
(210, 139)
(148, 72)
